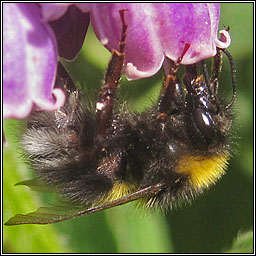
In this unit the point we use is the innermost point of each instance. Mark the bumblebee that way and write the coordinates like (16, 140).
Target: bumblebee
(107, 156)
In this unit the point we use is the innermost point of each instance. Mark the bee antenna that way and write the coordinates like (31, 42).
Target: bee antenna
(233, 77)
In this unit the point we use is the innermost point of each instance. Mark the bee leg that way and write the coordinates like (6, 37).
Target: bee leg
(217, 66)
(111, 161)
(233, 77)
(205, 72)
(105, 102)
(172, 96)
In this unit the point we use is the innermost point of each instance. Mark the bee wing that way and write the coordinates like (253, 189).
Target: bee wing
(48, 215)
(45, 215)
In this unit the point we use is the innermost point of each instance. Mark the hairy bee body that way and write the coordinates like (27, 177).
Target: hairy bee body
(139, 150)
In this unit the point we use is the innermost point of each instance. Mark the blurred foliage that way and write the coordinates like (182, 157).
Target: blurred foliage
(216, 222)
(243, 243)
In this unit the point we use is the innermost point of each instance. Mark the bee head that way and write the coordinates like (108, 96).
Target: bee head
(208, 120)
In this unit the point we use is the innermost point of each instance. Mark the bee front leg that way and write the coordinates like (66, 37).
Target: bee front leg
(106, 98)
(107, 148)
(172, 96)
(217, 66)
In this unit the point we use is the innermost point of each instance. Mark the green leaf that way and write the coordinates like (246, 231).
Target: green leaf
(243, 243)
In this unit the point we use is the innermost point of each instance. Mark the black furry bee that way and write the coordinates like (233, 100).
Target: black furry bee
(103, 157)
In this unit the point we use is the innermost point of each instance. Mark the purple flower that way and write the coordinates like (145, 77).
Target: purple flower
(36, 34)
(69, 24)
(156, 30)
(30, 56)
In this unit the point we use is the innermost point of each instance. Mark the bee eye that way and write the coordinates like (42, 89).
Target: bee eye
(204, 123)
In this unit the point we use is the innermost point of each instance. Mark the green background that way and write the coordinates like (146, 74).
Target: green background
(221, 220)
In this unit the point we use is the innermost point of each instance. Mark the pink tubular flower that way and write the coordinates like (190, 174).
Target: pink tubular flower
(34, 35)
(156, 30)
(29, 62)
(30, 57)
(69, 24)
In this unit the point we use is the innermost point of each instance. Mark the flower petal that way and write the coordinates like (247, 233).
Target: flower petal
(143, 57)
(70, 31)
(181, 23)
(225, 40)
(53, 11)
(156, 30)
(29, 62)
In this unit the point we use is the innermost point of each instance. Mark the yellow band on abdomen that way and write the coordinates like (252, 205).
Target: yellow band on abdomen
(203, 171)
